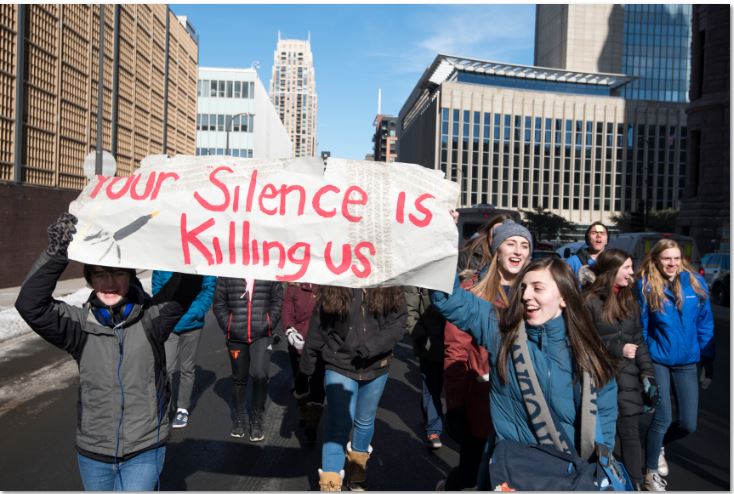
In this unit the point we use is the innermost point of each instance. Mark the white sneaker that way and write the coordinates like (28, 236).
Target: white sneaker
(654, 482)
(662, 464)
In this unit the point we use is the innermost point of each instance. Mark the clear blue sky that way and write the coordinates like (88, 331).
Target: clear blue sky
(360, 48)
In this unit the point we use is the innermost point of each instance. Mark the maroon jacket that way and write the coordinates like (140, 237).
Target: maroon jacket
(466, 377)
(298, 303)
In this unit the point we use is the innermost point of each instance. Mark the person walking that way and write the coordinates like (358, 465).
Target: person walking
(678, 327)
(425, 326)
(354, 331)
(476, 253)
(546, 313)
(597, 237)
(466, 367)
(183, 343)
(616, 314)
(298, 305)
(117, 339)
(247, 310)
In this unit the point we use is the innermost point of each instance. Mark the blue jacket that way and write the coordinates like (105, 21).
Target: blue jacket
(552, 360)
(194, 317)
(678, 337)
(575, 262)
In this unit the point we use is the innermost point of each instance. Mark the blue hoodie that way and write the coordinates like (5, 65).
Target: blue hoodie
(194, 317)
(552, 360)
(678, 337)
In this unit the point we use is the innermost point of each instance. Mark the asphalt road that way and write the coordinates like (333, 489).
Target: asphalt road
(38, 416)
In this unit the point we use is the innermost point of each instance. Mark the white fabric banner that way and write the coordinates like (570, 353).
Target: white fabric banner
(351, 223)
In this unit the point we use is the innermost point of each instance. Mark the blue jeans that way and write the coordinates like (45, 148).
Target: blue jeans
(140, 473)
(348, 403)
(662, 429)
(432, 381)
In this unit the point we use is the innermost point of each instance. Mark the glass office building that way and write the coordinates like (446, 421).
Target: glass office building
(657, 49)
(649, 41)
(562, 140)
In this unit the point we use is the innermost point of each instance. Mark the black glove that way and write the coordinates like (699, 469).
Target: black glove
(456, 424)
(650, 393)
(60, 234)
(707, 372)
(301, 386)
(362, 351)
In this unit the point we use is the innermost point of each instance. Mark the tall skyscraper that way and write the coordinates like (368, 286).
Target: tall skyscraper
(651, 42)
(293, 93)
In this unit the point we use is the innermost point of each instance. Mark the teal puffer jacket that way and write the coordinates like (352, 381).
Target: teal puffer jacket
(552, 360)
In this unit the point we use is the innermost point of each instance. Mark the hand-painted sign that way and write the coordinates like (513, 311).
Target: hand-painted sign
(349, 223)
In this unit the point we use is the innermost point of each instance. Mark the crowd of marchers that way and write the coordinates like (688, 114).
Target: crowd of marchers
(521, 353)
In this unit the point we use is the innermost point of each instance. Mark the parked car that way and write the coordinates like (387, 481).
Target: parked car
(715, 270)
(567, 250)
(538, 253)
(639, 244)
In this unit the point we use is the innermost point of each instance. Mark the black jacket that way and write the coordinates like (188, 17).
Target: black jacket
(630, 371)
(245, 320)
(374, 335)
(114, 359)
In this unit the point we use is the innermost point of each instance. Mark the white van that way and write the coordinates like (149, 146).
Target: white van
(639, 244)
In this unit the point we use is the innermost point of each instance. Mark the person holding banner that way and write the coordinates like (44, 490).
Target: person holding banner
(248, 310)
(117, 338)
(354, 331)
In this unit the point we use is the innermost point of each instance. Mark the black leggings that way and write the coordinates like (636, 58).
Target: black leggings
(250, 360)
(628, 430)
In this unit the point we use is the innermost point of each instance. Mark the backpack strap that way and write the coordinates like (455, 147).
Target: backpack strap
(544, 420)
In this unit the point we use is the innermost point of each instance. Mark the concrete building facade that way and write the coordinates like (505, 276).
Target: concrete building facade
(385, 139)
(52, 59)
(293, 93)
(705, 209)
(649, 41)
(235, 116)
(523, 137)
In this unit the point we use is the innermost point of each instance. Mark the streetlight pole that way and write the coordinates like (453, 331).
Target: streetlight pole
(228, 127)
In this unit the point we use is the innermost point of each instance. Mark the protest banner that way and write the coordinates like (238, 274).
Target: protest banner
(346, 223)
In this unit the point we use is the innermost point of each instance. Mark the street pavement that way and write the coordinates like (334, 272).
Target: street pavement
(38, 389)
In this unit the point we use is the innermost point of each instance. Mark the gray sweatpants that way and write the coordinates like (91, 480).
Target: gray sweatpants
(181, 351)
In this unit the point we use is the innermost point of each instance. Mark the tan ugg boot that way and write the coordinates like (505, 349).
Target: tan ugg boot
(357, 468)
(331, 481)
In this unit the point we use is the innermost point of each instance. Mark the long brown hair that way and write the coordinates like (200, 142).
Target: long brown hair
(482, 239)
(335, 300)
(615, 306)
(654, 280)
(587, 350)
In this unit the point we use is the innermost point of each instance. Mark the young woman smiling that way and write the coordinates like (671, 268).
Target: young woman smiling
(562, 342)
(678, 327)
(616, 314)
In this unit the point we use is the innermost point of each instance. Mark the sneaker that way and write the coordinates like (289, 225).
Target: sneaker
(434, 441)
(181, 419)
(654, 482)
(662, 464)
(256, 433)
(238, 427)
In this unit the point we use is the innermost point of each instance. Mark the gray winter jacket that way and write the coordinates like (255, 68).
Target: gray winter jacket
(123, 389)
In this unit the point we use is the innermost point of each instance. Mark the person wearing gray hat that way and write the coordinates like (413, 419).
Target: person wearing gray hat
(510, 229)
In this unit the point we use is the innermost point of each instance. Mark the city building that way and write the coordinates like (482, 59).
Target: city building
(385, 139)
(649, 41)
(52, 61)
(235, 116)
(704, 212)
(293, 93)
(524, 137)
